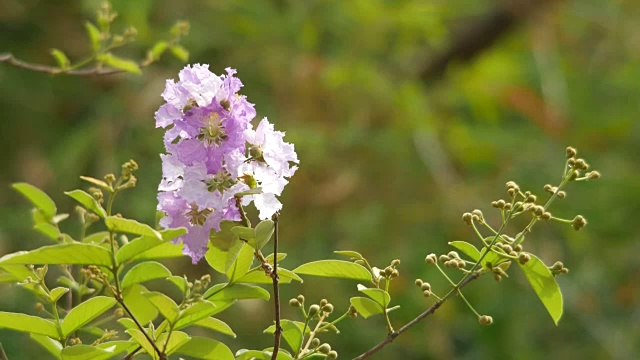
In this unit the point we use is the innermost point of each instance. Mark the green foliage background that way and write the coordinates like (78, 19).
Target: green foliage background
(388, 161)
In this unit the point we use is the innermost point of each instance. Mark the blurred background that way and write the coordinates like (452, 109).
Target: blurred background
(404, 115)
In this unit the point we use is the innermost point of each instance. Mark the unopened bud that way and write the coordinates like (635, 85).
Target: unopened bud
(294, 303)
(425, 286)
(497, 277)
(562, 194)
(443, 258)
(328, 308)
(593, 175)
(426, 293)
(324, 348)
(323, 302)
(485, 320)
(39, 307)
(546, 215)
(118, 313)
(314, 309)
(332, 355)
(315, 342)
(467, 218)
(300, 299)
(524, 258)
(431, 259)
(579, 222)
(571, 152)
(419, 282)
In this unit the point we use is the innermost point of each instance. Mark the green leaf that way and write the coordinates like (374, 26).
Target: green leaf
(205, 348)
(28, 323)
(122, 225)
(16, 273)
(366, 307)
(37, 197)
(94, 36)
(245, 354)
(52, 346)
(244, 233)
(158, 49)
(222, 260)
(140, 306)
(88, 352)
(195, 313)
(97, 182)
(236, 291)
(88, 201)
(272, 329)
(351, 254)
(167, 307)
(292, 334)
(225, 239)
(180, 282)
(120, 63)
(281, 257)
(180, 53)
(57, 293)
(77, 253)
(257, 276)
(254, 191)
(100, 237)
(177, 339)
(467, 249)
(118, 346)
(61, 59)
(544, 284)
(335, 269)
(85, 312)
(242, 264)
(139, 337)
(378, 295)
(163, 251)
(145, 271)
(49, 230)
(215, 325)
(264, 231)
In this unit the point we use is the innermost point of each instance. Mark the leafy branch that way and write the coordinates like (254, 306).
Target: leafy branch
(102, 61)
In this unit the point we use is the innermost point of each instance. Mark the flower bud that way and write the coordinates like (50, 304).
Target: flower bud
(426, 293)
(431, 259)
(571, 152)
(485, 320)
(332, 355)
(425, 286)
(39, 307)
(118, 313)
(315, 342)
(546, 215)
(443, 258)
(550, 189)
(300, 299)
(294, 303)
(524, 258)
(314, 309)
(497, 277)
(461, 264)
(518, 248)
(579, 222)
(419, 282)
(507, 206)
(453, 255)
(328, 308)
(467, 218)
(593, 175)
(394, 274)
(324, 348)
(562, 194)
(531, 198)
(323, 302)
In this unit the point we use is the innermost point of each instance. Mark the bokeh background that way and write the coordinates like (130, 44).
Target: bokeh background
(404, 114)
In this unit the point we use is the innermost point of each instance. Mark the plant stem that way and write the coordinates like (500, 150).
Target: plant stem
(276, 292)
(312, 334)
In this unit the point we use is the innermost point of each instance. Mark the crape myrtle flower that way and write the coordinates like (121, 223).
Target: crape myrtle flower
(213, 154)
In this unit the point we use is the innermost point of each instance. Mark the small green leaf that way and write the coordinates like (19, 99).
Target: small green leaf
(195, 313)
(225, 239)
(141, 339)
(122, 225)
(292, 334)
(467, 249)
(176, 340)
(158, 49)
(57, 293)
(167, 307)
(87, 201)
(97, 182)
(205, 348)
(254, 191)
(100, 237)
(257, 276)
(85, 312)
(236, 291)
(37, 197)
(77, 253)
(366, 307)
(118, 346)
(180, 53)
(351, 254)
(264, 231)
(94, 36)
(245, 354)
(544, 284)
(180, 282)
(145, 271)
(52, 346)
(244, 233)
(242, 264)
(281, 257)
(378, 295)
(335, 269)
(120, 63)
(140, 306)
(88, 352)
(163, 251)
(59, 218)
(61, 59)
(222, 260)
(28, 323)
(215, 325)
(49, 230)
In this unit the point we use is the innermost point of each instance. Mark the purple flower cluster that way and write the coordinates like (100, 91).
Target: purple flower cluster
(214, 153)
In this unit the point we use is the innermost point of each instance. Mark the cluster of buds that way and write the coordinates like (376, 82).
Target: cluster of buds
(578, 165)
(199, 285)
(558, 268)
(324, 349)
(391, 271)
(499, 270)
(452, 260)
(474, 216)
(485, 320)
(424, 286)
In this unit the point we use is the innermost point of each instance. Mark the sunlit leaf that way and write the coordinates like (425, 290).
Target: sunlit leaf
(335, 269)
(292, 334)
(544, 284)
(467, 249)
(205, 348)
(139, 336)
(52, 346)
(264, 231)
(180, 282)
(145, 271)
(167, 307)
(85, 312)
(97, 182)
(158, 49)
(242, 264)
(194, 313)
(78, 253)
(180, 53)
(28, 323)
(257, 276)
(94, 36)
(378, 295)
(222, 260)
(57, 293)
(61, 58)
(351, 254)
(176, 340)
(37, 197)
(122, 225)
(120, 63)
(366, 307)
(139, 305)
(88, 201)
(236, 291)
(215, 325)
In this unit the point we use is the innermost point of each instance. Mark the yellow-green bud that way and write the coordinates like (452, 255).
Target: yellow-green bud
(571, 152)
(395, 262)
(485, 320)
(593, 175)
(546, 215)
(453, 255)
(425, 286)
(118, 313)
(314, 309)
(518, 248)
(426, 293)
(562, 194)
(315, 342)
(323, 302)
(294, 303)
(419, 282)
(579, 222)
(332, 355)
(557, 265)
(497, 277)
(324, 348)
(431, 259)
(328, 308)
(300, 299)
(524, 258)
(39, 307)
(467, 218)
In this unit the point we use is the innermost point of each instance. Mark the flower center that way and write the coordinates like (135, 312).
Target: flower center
(220, 181)
(197, 216)
(213, 130)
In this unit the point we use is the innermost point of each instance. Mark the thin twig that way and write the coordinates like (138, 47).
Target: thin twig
(54, 70)
(153, 343)
(3, 356)
(276, 293)
(133, 353)
(432, 309)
